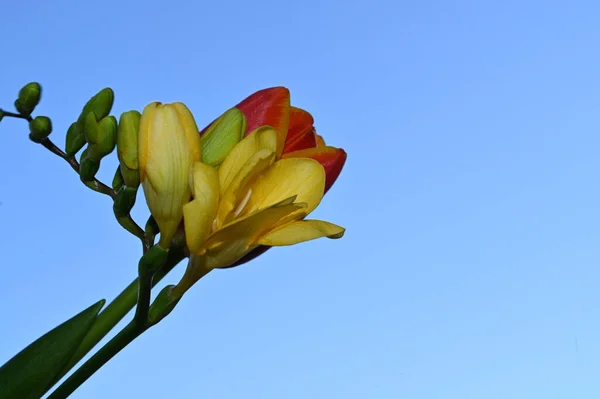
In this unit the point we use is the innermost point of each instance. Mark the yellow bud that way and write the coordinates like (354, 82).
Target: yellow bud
(168, 146)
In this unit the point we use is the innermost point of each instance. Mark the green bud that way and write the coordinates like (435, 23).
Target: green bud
(108, 136)
(222, 136)
(100, 105)
(101, 136)
(1, 115)
(75, 139)
(164, 304)
(88, 167)
(40, 128)
(125, 201)
(91, 130)
(118, 181)
(152, 261)
(131, 176)
(29, 98)
(127, 141)
(127, 147)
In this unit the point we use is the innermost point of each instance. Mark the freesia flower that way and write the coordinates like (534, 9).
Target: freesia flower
(168, 146)
(254, 199)
(297, 136)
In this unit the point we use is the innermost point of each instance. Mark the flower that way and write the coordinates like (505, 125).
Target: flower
(254, 199)
(296, 135)
(168, 146)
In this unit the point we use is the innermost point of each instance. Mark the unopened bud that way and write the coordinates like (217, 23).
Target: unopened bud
(101, 136)
(90, 129)
(222, 136)
(127, 147)
(75, 139)
(100, 105)
(107, 139)
(29, 98)
(88, 167)
(40, 128)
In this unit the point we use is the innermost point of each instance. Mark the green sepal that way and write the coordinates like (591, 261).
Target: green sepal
(164, 304)
(152, 261)
(29, 374)
(40, 128)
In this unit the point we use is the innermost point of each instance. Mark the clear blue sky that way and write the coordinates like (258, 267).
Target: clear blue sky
(470, 267)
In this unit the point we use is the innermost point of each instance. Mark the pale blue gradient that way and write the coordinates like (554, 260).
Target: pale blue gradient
(471, 263)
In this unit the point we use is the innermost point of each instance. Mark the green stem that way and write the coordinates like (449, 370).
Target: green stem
(15, 115)
(132, 227)
(117, 310)
(100, 358)
(143, 302)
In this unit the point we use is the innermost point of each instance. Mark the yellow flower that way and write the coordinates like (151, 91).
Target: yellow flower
(253, 199)
(169, 145)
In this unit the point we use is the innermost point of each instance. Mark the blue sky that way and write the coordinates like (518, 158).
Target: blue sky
(470, 196)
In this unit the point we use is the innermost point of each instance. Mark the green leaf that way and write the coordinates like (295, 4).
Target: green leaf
(29, 373)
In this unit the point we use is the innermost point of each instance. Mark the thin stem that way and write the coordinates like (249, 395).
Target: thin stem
(143, 301)
(15, 115)
(131, 226)
(95, 184)
(100, 358)
(107, 320)
(117, 310)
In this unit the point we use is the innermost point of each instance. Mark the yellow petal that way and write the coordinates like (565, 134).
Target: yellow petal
(235, 198)
(264, 137)
(168, 147)
(190, 128)
(199, 214)
(300, 231)
(302, 177)
(232, 242)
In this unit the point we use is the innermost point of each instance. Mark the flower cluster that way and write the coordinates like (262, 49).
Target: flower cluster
(248, 180)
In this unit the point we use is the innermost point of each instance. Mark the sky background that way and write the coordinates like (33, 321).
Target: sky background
(471, 196)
